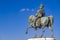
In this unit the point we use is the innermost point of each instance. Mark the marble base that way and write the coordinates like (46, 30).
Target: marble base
(42, 39)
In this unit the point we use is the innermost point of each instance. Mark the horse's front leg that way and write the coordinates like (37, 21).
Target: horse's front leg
(27, 29)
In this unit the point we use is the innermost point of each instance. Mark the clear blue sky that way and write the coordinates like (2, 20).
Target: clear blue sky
(13, 22)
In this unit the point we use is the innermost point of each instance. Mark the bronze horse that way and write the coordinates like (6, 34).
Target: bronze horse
(40, 23)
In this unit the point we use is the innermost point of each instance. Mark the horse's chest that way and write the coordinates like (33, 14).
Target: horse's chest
(38, 22)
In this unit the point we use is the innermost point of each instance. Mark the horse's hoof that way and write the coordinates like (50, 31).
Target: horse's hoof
(26, 32)
(52, 36)
(34, 37)
(40, 36)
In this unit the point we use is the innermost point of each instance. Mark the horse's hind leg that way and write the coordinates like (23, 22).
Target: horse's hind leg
(35, 33)
(50, 28)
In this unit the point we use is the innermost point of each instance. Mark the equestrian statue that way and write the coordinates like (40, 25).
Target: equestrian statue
(40, 21)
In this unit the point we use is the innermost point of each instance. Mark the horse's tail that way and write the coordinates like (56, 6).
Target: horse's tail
(51, 19)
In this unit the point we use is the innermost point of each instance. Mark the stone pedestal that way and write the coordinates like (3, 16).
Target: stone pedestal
(42, 39)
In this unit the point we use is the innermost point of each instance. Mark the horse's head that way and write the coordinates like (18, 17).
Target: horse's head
(31, 18)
